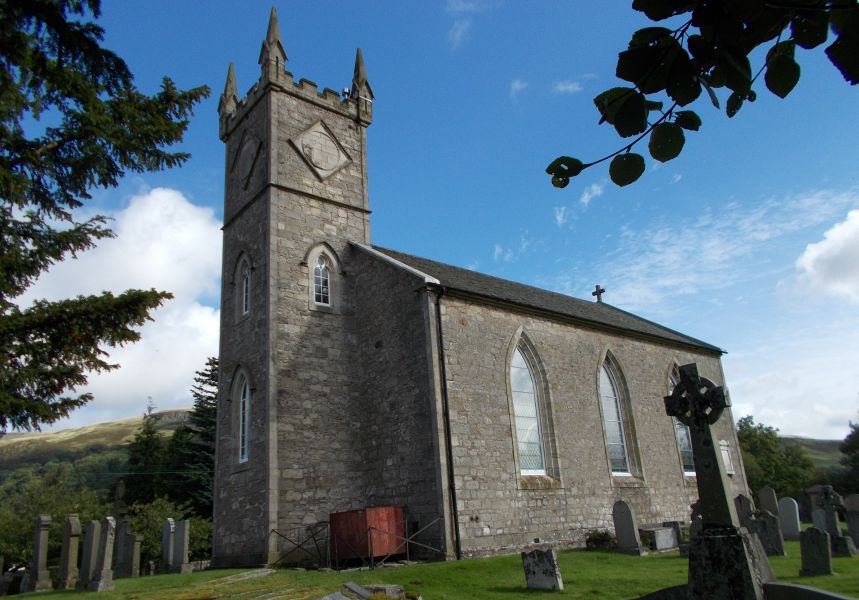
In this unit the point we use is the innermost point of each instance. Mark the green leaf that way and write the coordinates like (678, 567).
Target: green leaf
(786, 48)
(683, 85)
(631, 117)
(653, 105)
(810, 29)
(735, 65)
(648, 67)
(735, 102)
(562, 168)
(688, 120)
(844, 54)
(782, 75)
(649, 35)
(609, 102)
(701, 49)
(713, 98)
(666, 141)
(626, 168)
(657, 10)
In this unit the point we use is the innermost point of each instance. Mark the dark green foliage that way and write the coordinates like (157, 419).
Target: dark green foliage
(850, 461)
(600, 539)
(769, 461)
(709, 49)
(52, 64)
(145, 460)
(626, 168)
(51, 490)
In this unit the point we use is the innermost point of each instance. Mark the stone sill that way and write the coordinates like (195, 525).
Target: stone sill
(539, 482)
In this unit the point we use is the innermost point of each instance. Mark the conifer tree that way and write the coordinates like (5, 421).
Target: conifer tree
(145, 462)
(99, 127)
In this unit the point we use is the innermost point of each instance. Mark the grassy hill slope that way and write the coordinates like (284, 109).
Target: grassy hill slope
(824, 453)
(34, 448)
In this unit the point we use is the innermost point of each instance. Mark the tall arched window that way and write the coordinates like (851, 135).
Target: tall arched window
(681, 431)
(321, 288)
(244, 399)
(532, 460)
(614, 418)
(246, 288)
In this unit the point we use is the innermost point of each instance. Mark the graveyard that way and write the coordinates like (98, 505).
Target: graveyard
(601, 575)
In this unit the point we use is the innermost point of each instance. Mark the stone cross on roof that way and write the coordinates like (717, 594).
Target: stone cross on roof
(598, 292)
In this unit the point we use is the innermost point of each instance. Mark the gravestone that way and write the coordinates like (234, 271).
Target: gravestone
(767, 500)
(725, 561)
(40, 578)
(788, 518)
(136, 540)
(830, 501)
(68, 576)
(541, 570)
(181, 537)
(90, 554)
(745, 509)
(121, 562)
(658, 537)
(818, 518)
(814, 546)
(766, 525)
(851, 505)
(626, 529)
(102, 579)
(167, 532)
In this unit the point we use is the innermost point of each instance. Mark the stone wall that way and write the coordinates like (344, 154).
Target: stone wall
(500, 509)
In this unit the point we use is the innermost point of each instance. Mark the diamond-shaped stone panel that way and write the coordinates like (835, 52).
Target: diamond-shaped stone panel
(321, 150)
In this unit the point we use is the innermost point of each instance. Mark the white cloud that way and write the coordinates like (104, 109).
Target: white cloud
(517, 86)
(561, 216)
(164, 242)
(500, 253)
(568, 87)
(463, 6)
(683, 256)
(458, 32)
(676, 178)
(832, 264)
(594, 190)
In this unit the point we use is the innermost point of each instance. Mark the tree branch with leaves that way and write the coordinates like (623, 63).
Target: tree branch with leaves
(52, 67)
(709, 49)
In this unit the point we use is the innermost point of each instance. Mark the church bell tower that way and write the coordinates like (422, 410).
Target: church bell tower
(295, 196)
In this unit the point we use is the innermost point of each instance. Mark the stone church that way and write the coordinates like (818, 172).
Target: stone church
(356, 376)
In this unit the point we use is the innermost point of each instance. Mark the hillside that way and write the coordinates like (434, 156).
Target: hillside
(35, 448)
(823, 453)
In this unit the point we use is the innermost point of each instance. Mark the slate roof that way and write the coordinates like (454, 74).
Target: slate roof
(596, 314)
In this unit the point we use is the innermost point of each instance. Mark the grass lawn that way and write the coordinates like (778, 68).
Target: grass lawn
(593, 575)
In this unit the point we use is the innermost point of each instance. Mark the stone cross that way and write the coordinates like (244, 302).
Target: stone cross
(830, 501)
(102, 579)
(698, 403)
(598, 292)
(69, 553)
(725, 560)
(40, 578)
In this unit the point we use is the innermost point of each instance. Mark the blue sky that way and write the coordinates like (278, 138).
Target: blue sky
(749, 240)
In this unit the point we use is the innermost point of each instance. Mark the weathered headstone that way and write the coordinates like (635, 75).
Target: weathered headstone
(121, 562)
(658, 537)
(767, 500)
(90, 554)
(818, 518)
(725, 561)
(851, 505)
(788, 518)
(830, 501)
(134, 544)
(816, 554)
(626, 529)
(40, 578)
(765, 524)
(102, 579)
(745, 509)
(181, 538)
(167, 532)
(68, 576)
(541, 570)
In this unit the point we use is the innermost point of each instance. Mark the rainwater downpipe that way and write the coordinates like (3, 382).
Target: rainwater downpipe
(451, 482)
